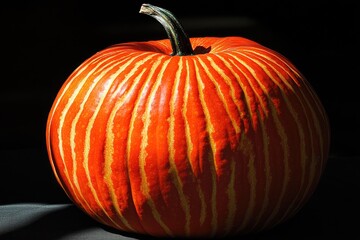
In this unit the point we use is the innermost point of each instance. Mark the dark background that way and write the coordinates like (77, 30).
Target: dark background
(42, 42)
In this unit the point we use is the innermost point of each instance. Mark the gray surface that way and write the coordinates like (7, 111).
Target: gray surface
(56, 221)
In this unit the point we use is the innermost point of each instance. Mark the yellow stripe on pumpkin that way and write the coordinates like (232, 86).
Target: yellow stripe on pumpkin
(76, 193)
(212, 150)
(143, 154)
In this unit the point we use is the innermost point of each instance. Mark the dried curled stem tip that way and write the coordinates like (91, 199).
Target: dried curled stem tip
(146, 9)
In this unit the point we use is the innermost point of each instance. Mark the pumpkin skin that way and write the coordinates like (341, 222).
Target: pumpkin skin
(230, 140)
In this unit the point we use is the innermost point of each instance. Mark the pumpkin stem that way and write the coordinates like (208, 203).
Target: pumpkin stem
(180, 42)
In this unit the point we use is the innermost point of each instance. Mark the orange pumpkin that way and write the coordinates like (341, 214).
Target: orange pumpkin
(157, 138)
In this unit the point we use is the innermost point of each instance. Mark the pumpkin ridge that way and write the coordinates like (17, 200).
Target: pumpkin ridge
(246, 115)
(190, 148)
(284, 143)
(64, 113)
(211, 151)
(184, 201)
(136, 173)
(246, 147)
(88, 138)
(215, 82)
(215, 60)
(300, 128)
(257, 118)
(294, 75)
(110, 138)
(143, 154)
(279, 80)
(193, 129)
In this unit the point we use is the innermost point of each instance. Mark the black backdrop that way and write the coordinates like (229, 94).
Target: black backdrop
(42, 42)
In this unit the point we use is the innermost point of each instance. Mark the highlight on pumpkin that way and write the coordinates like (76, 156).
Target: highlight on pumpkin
(200, 145)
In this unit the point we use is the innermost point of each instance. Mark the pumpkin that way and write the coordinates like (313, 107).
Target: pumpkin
(188, 137)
